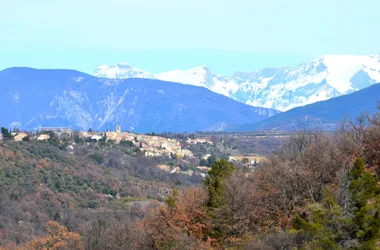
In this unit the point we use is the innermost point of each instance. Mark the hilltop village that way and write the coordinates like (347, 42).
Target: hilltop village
(151, 145)
(190, 153)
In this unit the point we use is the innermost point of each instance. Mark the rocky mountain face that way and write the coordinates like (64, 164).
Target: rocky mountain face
(33, 98)
(324, 115)
(281, 88)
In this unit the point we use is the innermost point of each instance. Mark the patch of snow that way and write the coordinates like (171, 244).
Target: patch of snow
(341, 68)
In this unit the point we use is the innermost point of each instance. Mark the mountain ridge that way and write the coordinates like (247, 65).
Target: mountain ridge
(69, 98)
(324, 115)
(280, 88)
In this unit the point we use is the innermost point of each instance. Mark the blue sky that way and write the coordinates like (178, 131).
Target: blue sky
(158, 35)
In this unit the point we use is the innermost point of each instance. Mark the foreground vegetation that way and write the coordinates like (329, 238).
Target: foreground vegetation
(47, 181)
(316, 191)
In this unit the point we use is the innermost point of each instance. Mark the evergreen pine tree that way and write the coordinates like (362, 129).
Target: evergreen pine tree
(221, 170)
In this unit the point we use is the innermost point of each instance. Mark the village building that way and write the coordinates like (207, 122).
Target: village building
(118, 129)
(43, 137)
(84, 135)
(175, 170)
(198, 140)
(96, 137)
(232, 159)
(203, 168)
(20, 136)
(206, 156)
(164, 167)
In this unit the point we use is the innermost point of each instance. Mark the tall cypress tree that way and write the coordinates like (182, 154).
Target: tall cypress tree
(216, 204)
(214, 182)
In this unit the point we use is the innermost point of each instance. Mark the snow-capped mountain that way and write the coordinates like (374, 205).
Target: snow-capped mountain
(281, 88)
(203, 77)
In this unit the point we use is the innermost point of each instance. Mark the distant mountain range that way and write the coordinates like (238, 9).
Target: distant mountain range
(331, 87)
(281, 88)
(324, 115)
(31, 98)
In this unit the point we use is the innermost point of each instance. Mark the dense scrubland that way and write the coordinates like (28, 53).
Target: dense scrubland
(43, 181)
(316, 191)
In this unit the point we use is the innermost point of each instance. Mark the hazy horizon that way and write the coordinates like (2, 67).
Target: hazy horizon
(158, 36)
(156, 61)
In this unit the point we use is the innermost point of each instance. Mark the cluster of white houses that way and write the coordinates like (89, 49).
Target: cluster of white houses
(151, 145)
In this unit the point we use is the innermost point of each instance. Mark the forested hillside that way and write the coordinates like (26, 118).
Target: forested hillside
(43, 181)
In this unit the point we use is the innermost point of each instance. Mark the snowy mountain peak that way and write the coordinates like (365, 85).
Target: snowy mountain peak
(279, 88)
(121, 70)
(341, 69)
(198, 76)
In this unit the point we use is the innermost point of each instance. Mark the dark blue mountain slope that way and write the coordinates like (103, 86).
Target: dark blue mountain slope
(33, 98)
